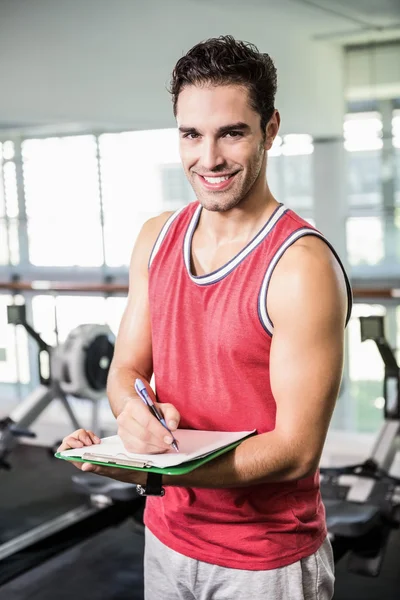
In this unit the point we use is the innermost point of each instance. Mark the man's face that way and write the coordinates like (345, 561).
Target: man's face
(221, 144)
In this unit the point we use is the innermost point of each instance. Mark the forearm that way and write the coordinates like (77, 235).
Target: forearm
(121, 386)
(259, 459)
(254, 461)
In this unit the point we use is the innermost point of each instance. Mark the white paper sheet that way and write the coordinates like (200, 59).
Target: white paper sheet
(192, 444)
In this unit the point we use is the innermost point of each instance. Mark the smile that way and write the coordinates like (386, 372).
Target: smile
(220, 182)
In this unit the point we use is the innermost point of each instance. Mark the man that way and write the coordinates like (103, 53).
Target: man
(238, 307)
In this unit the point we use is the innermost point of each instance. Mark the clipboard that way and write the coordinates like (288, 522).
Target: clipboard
(137, 465)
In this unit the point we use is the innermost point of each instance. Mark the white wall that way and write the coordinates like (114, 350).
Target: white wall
(108, 63)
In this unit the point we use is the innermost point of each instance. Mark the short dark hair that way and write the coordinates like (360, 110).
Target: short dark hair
(225, 61)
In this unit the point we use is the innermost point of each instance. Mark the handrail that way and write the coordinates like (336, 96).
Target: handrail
(62, 286)
(116, 288)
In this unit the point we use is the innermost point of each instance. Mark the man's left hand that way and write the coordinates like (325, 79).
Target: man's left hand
(125, 475)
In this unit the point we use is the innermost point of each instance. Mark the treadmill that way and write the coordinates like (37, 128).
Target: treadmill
(45, 510)
(362, 501)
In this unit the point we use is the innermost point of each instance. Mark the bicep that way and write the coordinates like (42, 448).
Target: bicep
(133, 348)
(133, 345)
(307, 304)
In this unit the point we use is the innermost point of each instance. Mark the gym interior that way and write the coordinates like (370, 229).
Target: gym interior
(88, 153)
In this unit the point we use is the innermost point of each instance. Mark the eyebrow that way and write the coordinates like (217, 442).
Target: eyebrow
(221, 130)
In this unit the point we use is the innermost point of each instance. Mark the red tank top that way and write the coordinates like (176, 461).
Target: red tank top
(211, 339)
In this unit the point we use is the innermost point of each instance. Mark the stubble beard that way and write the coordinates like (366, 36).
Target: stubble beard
(225, 201)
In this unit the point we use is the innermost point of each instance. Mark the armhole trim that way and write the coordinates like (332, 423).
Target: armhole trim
(162, 234)
(262, 296)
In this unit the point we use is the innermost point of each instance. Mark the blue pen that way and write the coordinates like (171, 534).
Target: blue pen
(143, 393)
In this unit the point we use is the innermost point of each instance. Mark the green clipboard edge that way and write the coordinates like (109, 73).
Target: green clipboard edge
(182, 469)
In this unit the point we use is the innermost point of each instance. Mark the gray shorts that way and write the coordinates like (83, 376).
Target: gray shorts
(169, 575)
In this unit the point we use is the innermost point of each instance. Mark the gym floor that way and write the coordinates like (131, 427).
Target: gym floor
(109, 565)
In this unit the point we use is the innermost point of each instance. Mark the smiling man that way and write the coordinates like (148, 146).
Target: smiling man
(238, 306)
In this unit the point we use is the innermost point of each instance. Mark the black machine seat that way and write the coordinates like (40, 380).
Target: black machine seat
(351, 519)
(88, 484)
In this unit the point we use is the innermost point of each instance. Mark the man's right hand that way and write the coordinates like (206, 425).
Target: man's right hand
(139, 429)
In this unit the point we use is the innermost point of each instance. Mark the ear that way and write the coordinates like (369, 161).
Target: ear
(271, 130)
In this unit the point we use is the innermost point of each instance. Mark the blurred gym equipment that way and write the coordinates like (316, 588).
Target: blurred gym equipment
(54, 514)
(362, 501)
(78, 367)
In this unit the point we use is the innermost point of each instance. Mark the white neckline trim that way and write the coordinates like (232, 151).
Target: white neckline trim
(226, 269)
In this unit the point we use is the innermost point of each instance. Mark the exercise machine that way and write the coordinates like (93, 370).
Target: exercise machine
(362, 501)
(78, 368)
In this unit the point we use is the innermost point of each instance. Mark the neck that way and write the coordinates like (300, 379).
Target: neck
(242, 221)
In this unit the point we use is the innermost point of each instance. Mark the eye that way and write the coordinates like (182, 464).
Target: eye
(191, 136)
(233, 134)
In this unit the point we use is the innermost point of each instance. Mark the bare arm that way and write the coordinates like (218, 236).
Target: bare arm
(139, 430)
(133, 353)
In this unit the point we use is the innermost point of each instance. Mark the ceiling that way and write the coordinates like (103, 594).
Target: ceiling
(86, 62)
(369, 13)
(341, 21)
(368, 19)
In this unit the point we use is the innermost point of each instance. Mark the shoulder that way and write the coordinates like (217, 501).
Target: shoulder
(308, 276)
(309, 258)
(153, 226)
(146, 240)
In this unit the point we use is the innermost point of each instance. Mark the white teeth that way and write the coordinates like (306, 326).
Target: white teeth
(216, 179)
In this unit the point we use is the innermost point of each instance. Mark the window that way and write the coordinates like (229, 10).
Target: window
(176, 188)
(67, 312)
(373, 228)
(363, 141)
(132, 185)
(298, 181)
(115, 307)
(396, 343)
(3, 224)
(364, 178)
(14, 339)
(78, 310)
(365, 240)
(44, 318)
(10, 189)
(4, 257)
(396, 145)
(366, 371)
(290, 174)
(63, 201)
(9, 210)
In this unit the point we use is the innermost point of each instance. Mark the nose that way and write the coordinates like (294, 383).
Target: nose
(211, 156)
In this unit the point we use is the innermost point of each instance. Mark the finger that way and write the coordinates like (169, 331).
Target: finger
(84, 437)
(88, 467)
(95, 438)
(99, 470)
(69, 442)
(78, 465)
(144, 426)
(125, 475)
(170, 413)
(139, 439)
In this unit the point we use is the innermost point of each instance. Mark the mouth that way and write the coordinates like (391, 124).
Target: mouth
(217, 182)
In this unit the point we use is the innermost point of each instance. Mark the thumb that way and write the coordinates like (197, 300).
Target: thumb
(170, 413)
